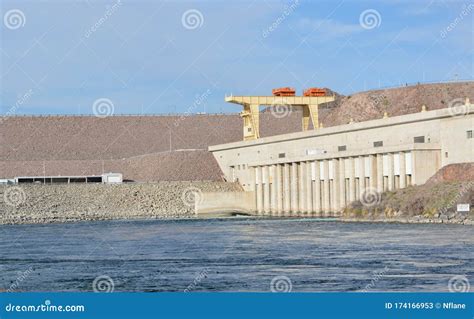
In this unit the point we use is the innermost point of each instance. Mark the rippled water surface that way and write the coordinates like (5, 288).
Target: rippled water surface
(234, 255)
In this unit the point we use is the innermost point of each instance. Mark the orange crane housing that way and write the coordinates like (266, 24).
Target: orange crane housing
(314, 92)
(286, 91)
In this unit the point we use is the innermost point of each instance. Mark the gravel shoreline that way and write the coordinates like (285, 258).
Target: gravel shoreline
(411, 220)
(42, 204)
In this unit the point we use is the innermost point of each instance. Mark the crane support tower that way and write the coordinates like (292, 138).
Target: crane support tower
(282, 98)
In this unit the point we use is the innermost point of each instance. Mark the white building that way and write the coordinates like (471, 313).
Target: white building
(321, 171)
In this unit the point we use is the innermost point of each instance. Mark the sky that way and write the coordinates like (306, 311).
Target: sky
(154, 57)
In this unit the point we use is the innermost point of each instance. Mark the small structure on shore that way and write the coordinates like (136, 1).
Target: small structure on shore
(107, 178)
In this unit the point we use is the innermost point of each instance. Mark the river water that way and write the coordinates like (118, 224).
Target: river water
(239, 254)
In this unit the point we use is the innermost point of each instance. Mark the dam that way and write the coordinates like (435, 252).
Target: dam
(319, 172)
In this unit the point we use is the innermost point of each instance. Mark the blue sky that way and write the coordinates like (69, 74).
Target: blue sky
(59, 57)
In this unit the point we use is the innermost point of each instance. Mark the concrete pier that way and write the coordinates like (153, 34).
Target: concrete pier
(390, 174)
(342, 185)
(273, 190)
(294, 188)
(351, 175)
(259, 190)
(279, 189)
(379, 173)
(302, 191)
(286, 190)
(317, 189)
(362, 176)
(266, 191)
(403, 175)
(325, 191)
(309, 189)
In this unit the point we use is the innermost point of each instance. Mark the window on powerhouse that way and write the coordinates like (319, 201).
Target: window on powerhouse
(419, 139)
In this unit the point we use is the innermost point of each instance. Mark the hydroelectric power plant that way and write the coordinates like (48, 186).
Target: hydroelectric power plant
(321, 171)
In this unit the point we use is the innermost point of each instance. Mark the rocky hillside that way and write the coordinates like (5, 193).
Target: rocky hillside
(454, 173)
(196, 165)
(396, 101)
(28, 138)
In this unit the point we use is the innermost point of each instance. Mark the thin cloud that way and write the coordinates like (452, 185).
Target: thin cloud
(328, 28)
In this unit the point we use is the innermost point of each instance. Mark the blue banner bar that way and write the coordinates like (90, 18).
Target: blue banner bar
(237, 305)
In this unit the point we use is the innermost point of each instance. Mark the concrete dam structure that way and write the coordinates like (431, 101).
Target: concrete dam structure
(319, 172)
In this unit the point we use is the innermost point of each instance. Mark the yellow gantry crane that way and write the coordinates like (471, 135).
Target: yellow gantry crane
(283, 97)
